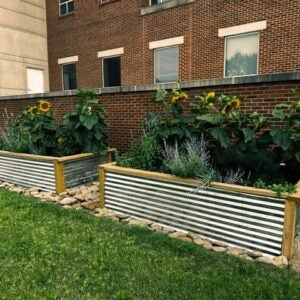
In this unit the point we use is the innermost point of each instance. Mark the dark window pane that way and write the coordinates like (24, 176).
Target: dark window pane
(112, 71)
(70, 7)
(69, 77)
(63, 9)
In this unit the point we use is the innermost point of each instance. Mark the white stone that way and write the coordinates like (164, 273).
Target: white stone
(143, 223)
(219, 249)
(264, 259)
(68, 201)
(280, 261)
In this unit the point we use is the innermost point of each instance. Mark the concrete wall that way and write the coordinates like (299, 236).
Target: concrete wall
(23, 44)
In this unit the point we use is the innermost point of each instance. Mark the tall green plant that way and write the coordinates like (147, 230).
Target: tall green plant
(84, 127)
(287, 134)
(38, 123)
(286, 137)
(173, 124)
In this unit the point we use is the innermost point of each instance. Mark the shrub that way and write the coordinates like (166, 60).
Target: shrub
(12, 136)
(192, 161)
(145, 154)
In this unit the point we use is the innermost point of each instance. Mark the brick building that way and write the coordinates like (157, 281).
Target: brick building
(129, 49)
(122, 43)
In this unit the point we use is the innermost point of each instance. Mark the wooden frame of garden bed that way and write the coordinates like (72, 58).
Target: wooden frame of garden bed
(50, 173)
(144, 194)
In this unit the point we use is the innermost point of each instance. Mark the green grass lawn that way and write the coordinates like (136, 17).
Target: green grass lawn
(47, 252)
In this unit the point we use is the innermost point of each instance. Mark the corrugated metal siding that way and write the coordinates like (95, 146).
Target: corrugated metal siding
(243, 220)
(82, 170)
(27, 172)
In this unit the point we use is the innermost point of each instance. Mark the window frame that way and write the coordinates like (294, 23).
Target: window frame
(258, 47)
(108, 57)
(160, 48)
(67, 10)
(62, 75)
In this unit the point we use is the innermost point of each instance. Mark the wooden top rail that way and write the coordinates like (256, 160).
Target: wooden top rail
(30, 156)
(296, 195)
(52, 158)
(218, 185)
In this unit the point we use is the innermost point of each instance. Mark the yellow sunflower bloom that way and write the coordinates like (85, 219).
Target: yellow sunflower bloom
(210, 95)
(183, 96)
(44, 106)
(236, 103)
(174, 99)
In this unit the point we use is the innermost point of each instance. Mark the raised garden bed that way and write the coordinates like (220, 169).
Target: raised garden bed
(255, 219)
(50, 173)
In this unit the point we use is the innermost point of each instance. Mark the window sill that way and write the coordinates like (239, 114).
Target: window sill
(72, 13)
(163, 6)
(107, 2)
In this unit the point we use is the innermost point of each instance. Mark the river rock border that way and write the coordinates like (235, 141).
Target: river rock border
(86, 197)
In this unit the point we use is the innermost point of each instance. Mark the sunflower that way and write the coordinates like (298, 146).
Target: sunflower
(33, 110)
(235, 103)
(44, 106)
(179, 96)
(210, 95)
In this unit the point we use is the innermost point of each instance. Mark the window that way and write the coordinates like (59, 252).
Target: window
(241, 55)
(69, 77)
(166, 64)
(66, 6)
(35, 81)
(153, 2)
(111, 71)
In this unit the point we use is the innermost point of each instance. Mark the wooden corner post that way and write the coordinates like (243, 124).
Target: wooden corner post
(102, 175)
(59, 176)
(290, 214)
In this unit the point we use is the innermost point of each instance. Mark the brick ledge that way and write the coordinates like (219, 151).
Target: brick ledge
(256, 79)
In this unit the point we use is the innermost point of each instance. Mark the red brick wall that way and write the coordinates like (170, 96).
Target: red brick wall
(126, 111)
(94, 27)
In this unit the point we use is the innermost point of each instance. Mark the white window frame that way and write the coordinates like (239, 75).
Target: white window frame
(65, 3)
(62, 74)
(225, 48)
(157, 49)
(107, 57)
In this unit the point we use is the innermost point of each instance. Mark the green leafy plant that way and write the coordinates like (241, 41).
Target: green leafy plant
(145, 154)
(287, 135)
(84, 127)
(219, 119)
(284, 187)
